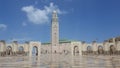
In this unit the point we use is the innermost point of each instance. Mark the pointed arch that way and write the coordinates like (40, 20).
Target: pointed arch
(35, 51)
(21, 50)
(112, 49)
(76, 51)
(89, 49)
(9, 50)
(100, 49)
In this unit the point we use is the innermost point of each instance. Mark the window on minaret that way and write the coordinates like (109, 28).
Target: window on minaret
(55, 26)
(55, 20)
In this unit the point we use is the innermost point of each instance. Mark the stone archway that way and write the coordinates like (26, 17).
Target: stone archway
(9, 50)
(76, 51)
(35, 51)
(89, 50)
(112, 49)
(100, 50)
(34, 46)
(21, 50)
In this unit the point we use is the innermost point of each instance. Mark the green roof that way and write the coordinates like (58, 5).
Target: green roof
(46, 43)
(61, 41)
(64, 41)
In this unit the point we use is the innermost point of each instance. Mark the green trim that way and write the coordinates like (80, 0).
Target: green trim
(45, 43)
(61, 41)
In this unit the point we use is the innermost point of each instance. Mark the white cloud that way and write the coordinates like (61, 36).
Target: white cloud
(40, 16)
(3, 26)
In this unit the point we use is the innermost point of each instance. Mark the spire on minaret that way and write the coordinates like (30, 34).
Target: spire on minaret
(54, 17)
(54, 14)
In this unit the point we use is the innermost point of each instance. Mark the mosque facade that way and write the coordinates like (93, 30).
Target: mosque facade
(62, 47)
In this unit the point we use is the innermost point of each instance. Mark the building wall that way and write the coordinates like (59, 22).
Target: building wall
(64, 48)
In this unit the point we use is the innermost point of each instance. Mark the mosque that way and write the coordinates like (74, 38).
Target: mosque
(56, 46)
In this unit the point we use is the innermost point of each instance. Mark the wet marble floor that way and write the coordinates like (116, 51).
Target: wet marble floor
(60, 61)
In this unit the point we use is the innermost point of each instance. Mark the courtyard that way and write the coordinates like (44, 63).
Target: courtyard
(60, 61)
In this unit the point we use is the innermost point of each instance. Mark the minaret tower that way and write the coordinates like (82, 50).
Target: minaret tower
(55, 33)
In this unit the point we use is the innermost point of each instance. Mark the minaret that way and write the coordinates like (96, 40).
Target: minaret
(55, 33)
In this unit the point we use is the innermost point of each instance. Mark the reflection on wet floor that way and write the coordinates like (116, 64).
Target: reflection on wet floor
(60, 61)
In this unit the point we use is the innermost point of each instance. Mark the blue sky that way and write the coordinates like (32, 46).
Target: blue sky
(83, 20)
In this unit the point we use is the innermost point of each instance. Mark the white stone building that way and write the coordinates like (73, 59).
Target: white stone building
(62, 47)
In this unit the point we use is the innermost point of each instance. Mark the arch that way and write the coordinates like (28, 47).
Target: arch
(100, 49)
(76, 51)
(112, 49)
(9, 50)
(35, 51)
(89, 49)
(21, 50)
